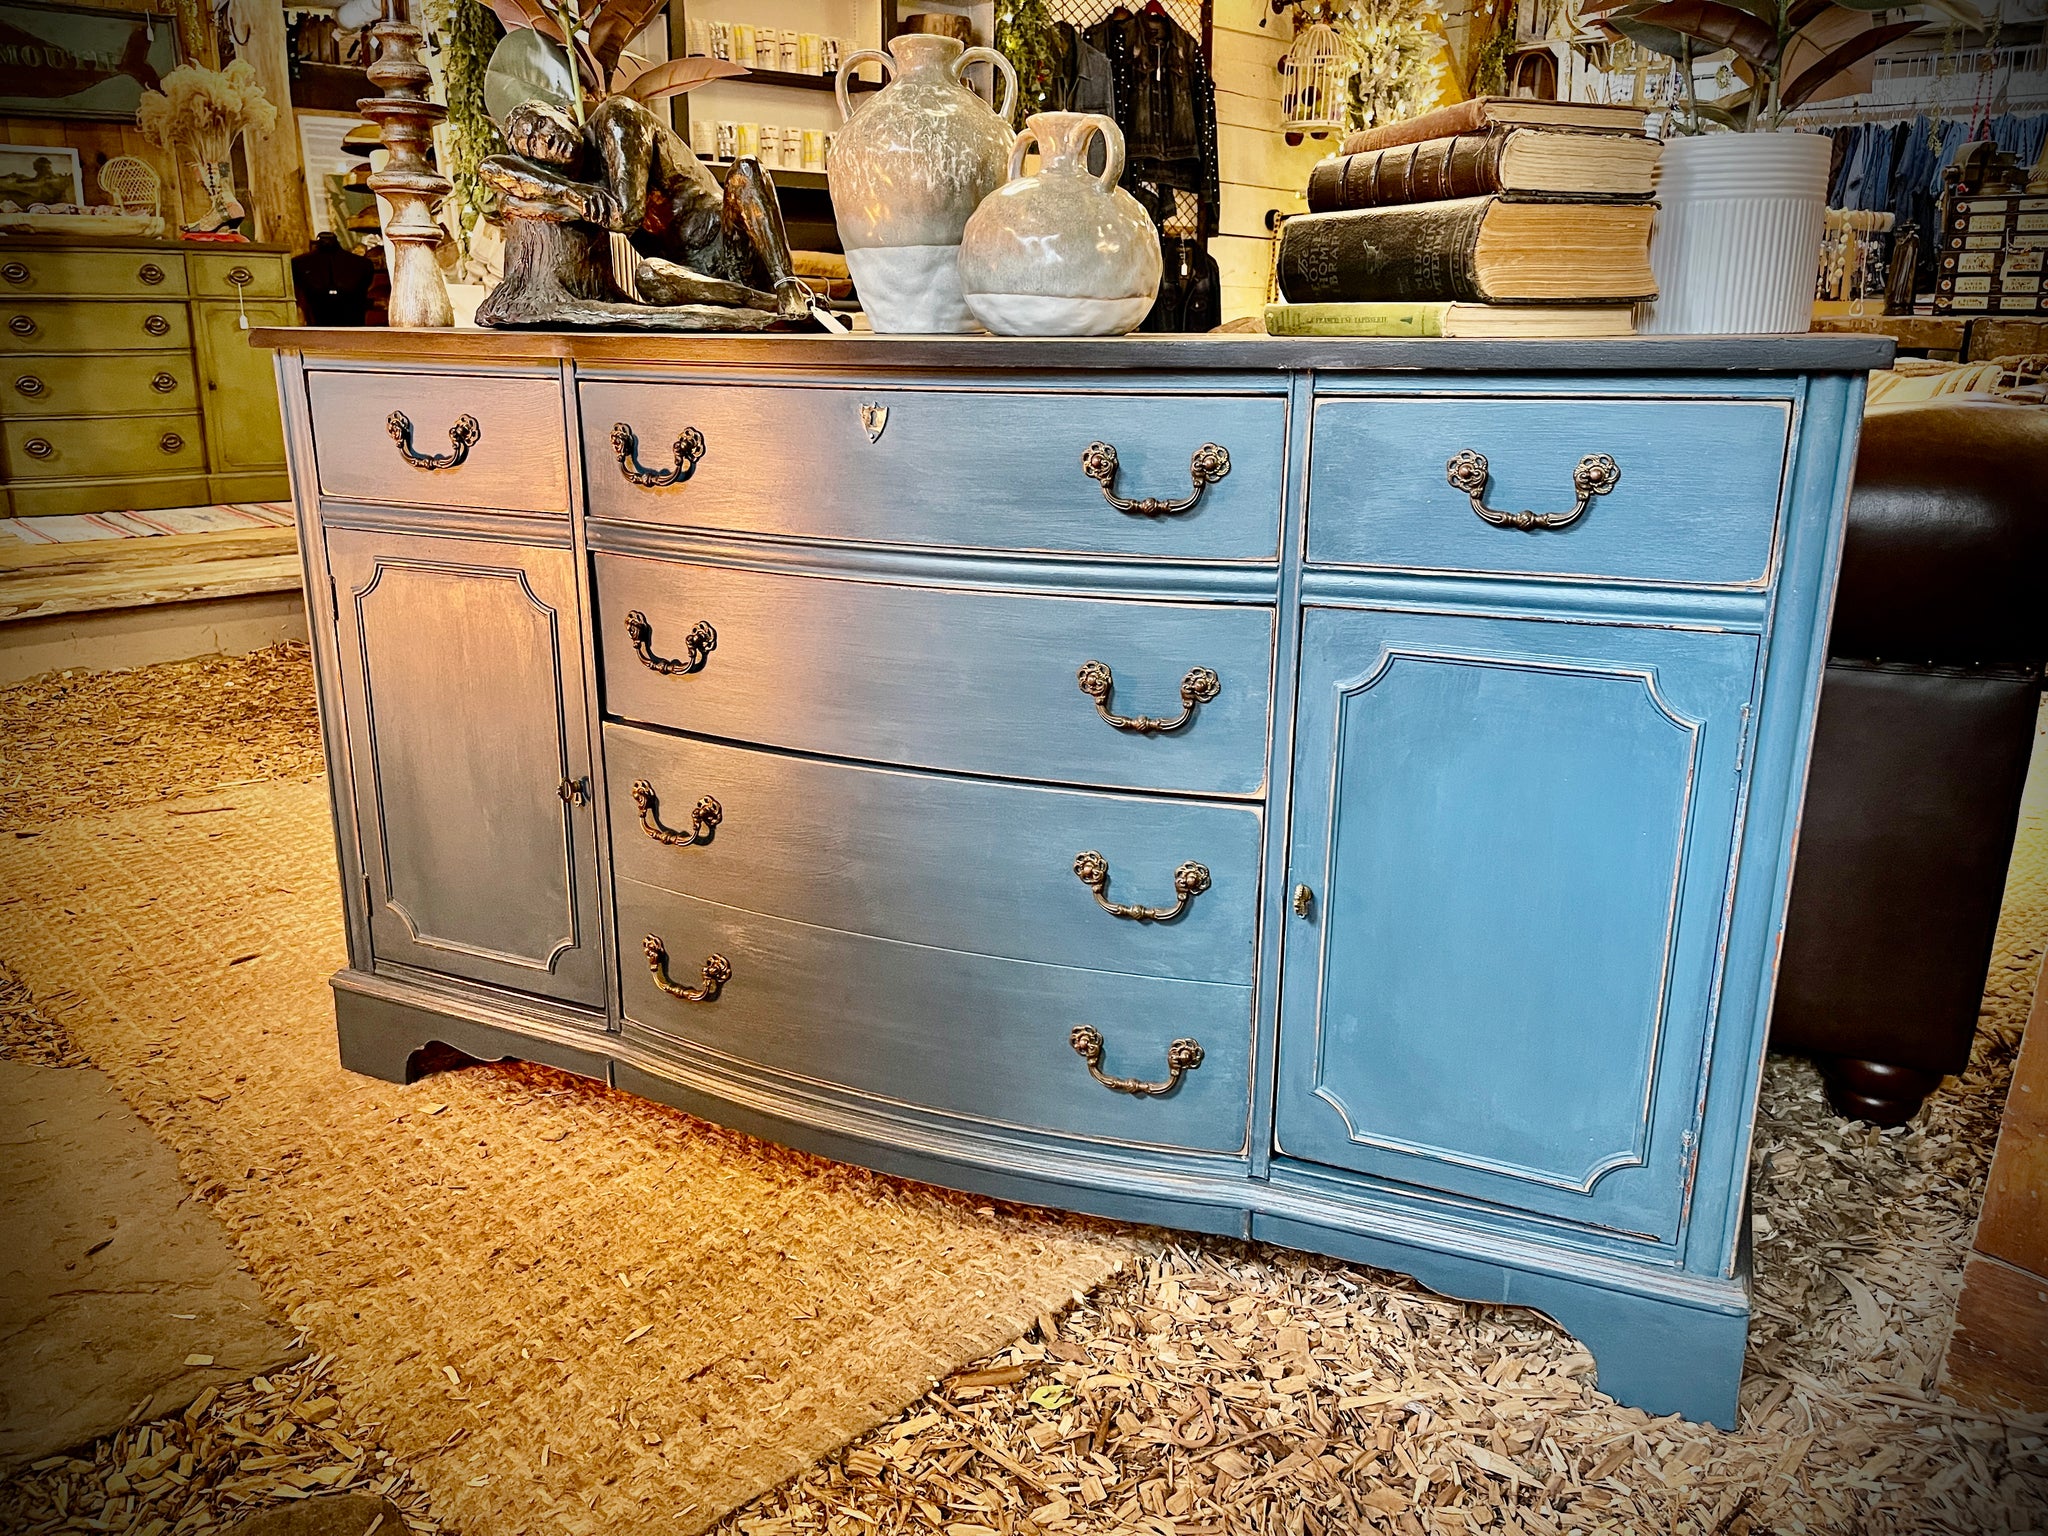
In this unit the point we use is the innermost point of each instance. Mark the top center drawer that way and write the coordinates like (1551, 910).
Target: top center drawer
(980, 469)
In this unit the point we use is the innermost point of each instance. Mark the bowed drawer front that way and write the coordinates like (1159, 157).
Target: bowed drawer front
(971, 1035)
(997, 869)
(441, 440)
(945, 468)
(930, 677)
(1677, 491)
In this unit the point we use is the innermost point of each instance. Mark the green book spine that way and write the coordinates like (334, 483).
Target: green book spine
(1355, 319)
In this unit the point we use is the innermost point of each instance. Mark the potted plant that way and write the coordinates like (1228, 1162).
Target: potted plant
(1741, 199)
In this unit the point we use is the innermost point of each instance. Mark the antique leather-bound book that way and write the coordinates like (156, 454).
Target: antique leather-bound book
(1478, 250)
(1524, 162)
(1483, 112)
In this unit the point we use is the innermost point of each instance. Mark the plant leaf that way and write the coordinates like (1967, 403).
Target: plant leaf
(678, 76)
(1804, 12)
(525, 13)
(616, 24)
(1711, 25)
(1713, 112)
(1657, 39)
(1850, 54)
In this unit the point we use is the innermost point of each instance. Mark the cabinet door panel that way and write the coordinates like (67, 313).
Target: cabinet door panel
(466, 716)
(242, 426)
(1520, 832)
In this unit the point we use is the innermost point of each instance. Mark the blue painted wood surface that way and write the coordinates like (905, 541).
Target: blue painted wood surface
(937, 859)
(1696, 502)
(970, 681)
(979, 469)
(1520, 836)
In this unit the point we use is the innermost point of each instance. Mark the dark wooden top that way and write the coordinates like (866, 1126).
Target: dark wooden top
(1641, 354)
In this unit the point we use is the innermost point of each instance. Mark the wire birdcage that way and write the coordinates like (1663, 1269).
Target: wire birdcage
(1315, 83)
(133, 184)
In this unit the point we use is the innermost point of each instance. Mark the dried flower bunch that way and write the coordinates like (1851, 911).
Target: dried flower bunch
(205, 110)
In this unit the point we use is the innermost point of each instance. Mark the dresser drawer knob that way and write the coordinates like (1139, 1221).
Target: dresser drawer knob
(21, 325)
(157, 325)
(704, 815)
(716, 972)
(1209, 463)
(1189, 881)
(698, 644)
(28, 384)
(150, 273)
(15, 272)
(1182, 1056)
(688, 450)
(241, 277)
(1596, 475)
(170, 442)
(163, 383)
(1197, 688)
(462, 437)
(38, 448)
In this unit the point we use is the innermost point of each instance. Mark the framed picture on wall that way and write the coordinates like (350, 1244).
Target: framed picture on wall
(40, 173)
(75, 61)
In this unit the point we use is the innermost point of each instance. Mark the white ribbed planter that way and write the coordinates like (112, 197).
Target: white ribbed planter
(1736, 247)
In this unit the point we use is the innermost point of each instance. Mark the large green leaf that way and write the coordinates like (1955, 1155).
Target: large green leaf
(526, 67)
(1657, 39)
(1851, 53)
(1711, 24)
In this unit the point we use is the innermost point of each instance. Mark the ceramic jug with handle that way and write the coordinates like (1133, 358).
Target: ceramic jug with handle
(906, 171)
(1065, 252)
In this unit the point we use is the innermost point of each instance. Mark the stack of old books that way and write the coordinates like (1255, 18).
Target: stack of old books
(1495, 217)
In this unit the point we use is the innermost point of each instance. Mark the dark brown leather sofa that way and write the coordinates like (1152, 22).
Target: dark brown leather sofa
(1927, 720)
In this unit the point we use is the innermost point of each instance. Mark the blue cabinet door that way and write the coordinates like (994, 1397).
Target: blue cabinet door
(1519, 836)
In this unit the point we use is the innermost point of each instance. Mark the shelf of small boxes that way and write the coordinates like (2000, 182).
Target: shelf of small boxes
(774, 56)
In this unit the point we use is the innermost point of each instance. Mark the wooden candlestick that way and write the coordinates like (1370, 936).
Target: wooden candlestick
(405, 121)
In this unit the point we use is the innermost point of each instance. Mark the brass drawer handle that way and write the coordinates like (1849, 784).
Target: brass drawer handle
(38, 448)
(1189, 881)
(157, 325)
(28, 384)
(1596, 475)
(1209, 463)
(716, 972)
(170, 442)
(1181, 1057)
(698, 644)
(150, 273)
(704, 815)
(15, 271)
(241, 277)
(22, 325)
(163, 383)
(688, 450)
(461, 438)
(1197, 688)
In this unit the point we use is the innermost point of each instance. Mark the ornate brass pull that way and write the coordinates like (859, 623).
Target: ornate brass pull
(38, 448)
(688, 450)
(1596, 475)
(157, 325)
(1197, 688)
(170, 442)
(704, 815)
(1182, 1056)
(1304, 901)
(22, 325)
(698, 644)
(15, 271)
(241, 277)
(1209, 463)
(150, 273)
(28, 384)
(163, 383)
(461, 438)
(716, 972)
(1189, 881)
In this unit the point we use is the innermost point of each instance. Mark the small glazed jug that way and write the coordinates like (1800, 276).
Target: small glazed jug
(1065, 252)
(906, 171)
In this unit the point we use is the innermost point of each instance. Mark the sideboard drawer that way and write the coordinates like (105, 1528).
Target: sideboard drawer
(93, 325)
(932, 677)
(441, 440)
(972, 1035)
(95, 274)
(222, 275)
(981, 469)
(938, 860)
(124, 384)
(1695, 501)
(91, 448)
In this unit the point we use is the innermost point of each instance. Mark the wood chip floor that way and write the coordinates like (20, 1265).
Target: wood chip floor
(1227, 1387)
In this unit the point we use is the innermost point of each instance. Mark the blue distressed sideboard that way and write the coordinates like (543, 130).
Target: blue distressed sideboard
(1335, 793)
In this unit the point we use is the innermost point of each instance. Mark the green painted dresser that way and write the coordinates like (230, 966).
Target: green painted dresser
(126, 376)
